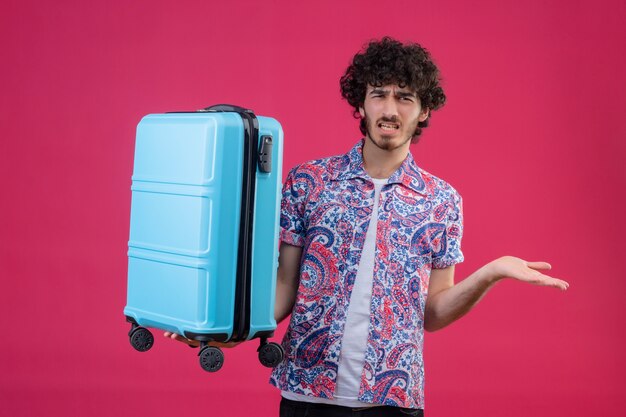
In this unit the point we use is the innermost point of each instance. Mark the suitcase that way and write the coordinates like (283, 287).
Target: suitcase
(203, 247)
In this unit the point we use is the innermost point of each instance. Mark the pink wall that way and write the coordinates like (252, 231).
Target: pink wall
(532, 137)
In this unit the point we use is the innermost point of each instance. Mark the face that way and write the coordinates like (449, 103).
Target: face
(391, 115)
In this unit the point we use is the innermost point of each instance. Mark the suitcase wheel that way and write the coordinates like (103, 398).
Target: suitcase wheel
(271, 354)
(141, 339)
(211, 358)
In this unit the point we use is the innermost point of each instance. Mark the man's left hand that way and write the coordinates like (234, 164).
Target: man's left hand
(516, 268)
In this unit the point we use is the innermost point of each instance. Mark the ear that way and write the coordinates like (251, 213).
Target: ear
(362, 112)
(424, 113)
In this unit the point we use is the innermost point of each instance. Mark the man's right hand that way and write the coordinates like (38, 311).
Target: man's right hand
(195, 343)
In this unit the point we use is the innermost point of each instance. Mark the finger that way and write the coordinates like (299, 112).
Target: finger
(181, 339)
(563, 285)
(224, 345)
(176, 336)
(539, 265)
(560, 284)
(548, 281)
(187, 341)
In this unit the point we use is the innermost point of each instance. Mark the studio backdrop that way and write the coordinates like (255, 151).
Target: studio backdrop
(532, 137)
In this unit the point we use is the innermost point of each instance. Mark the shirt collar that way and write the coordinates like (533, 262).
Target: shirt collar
(350, 165)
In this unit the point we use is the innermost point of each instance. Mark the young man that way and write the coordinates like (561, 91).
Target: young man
(369, 244)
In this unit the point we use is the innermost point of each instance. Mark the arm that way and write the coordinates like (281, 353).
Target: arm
(287, 280)
(447, 302)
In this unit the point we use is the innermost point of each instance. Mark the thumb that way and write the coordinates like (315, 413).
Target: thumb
(538, 265)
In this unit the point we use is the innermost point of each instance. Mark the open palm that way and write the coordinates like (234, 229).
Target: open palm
(512, 267)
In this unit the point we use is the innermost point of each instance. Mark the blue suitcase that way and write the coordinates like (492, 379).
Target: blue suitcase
(203, 248)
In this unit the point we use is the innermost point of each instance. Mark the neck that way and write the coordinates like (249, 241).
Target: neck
(381, 163)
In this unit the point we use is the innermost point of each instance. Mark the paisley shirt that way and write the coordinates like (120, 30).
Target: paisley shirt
(326, 209)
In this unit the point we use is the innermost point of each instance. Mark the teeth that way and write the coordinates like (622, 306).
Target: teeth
(386, 126)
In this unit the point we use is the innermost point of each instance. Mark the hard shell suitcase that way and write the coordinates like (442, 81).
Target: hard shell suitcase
(203, 248)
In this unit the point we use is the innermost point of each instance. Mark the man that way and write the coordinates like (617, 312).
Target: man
(369, 244)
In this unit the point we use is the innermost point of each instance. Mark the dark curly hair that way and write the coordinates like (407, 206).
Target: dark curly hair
(390, 62)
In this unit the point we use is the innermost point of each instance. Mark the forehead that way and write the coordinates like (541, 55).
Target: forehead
(391, 89)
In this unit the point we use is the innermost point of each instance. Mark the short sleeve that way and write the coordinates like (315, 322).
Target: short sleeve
(292, 208)
(451, 239)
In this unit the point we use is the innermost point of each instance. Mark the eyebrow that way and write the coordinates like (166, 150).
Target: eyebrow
(406, 94)
(398, 93)
(379, 91)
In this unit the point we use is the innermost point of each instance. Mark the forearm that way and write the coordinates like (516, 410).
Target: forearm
(447, 302)
(285, 298)
(453, 303)
(287, 280)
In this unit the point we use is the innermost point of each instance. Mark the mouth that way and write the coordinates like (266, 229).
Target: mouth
(388, 126)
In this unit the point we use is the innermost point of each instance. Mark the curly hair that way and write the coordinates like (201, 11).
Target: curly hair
(390, 62)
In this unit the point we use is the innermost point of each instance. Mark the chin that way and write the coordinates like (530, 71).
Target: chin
(388, 143)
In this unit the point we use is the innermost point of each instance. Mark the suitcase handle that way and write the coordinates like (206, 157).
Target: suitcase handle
(264, 153)
(225, 108)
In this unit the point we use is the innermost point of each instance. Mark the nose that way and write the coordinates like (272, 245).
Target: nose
(390, 107)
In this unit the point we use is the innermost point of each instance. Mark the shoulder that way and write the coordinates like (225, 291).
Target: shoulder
(319, 170)
(438, 187)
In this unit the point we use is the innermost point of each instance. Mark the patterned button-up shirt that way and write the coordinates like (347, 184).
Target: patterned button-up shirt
(326, 209)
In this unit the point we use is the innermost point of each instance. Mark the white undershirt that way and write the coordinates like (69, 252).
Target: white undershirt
(354, 341)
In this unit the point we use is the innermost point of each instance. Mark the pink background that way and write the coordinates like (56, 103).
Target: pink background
(532, 137)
